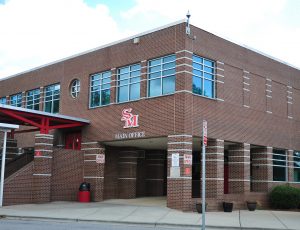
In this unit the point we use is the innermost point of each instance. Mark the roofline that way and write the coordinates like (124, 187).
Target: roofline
(44, 113)
(95, 49)
(249, 48)
(145, 33)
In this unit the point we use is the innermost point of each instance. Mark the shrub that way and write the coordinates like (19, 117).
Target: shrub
(285, 197)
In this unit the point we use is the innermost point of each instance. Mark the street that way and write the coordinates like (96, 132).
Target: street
(15, 224)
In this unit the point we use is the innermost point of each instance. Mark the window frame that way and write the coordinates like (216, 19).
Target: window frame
(75, 89)
(129, 79)
(296, 168)
(3, 99)
(52, 97)
(100, 89)
(203, 73)
(278, 164)
(161, 76)
(18, 104)
(33, 100)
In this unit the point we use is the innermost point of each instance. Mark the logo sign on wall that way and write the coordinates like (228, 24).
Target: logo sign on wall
(100, 158)
(130, 120)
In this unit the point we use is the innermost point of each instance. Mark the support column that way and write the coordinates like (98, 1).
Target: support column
(262, 169)
(42, 172)
(93, 170)
(290, 164)
(239, 168)
(127, 174)
(179, 185)
(215, 169)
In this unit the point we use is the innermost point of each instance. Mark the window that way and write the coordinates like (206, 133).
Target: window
(297, 166)
(16, 100)
(3, 100)
(33, 99)
(129, 78)
(75, 88)
(52, 96)
(279, 165)
(100, 89)
(161, 77)
(203, 76)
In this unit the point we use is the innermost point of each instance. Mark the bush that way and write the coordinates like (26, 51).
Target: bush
(285, 197)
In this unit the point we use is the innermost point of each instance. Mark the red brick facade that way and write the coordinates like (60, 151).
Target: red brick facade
(253, 112)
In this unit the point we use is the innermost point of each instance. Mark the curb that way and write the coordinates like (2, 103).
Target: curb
(130, 222)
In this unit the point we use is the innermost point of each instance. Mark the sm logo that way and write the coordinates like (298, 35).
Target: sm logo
(131, 120)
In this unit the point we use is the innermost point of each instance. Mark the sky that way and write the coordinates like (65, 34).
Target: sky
(36, 32)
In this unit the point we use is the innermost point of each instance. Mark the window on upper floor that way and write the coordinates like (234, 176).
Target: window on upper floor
(161, 76)
(128, 83)
(100, 89)
(279, 165)
(3, 100)
(297, 166)
(75, 88)
(203, 77)
(16, 100)
(33, 99)
(52, 98)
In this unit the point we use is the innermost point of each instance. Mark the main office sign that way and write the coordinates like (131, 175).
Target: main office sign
(131, 120)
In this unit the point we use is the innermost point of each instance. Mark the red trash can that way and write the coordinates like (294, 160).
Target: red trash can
(84, 196)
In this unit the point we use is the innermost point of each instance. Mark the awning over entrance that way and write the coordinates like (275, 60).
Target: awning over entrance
(42, 121)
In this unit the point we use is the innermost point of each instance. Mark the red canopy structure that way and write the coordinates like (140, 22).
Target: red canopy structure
(42, 121)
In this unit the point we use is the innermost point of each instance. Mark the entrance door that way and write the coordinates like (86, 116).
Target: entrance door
(73, 141)
(225, 178)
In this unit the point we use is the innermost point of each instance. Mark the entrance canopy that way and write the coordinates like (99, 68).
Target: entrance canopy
(42, 121)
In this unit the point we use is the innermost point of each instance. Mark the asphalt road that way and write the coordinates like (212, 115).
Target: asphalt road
(15, 224)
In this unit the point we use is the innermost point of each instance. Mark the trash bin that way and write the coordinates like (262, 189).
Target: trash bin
(84, 193)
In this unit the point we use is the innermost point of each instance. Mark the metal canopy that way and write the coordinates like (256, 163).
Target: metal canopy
(42, 121)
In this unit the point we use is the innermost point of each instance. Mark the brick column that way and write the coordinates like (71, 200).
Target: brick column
(127, 173)
(143, 92)
(262, 169)
(184, 69)
(42, 172)
(24, 99)
(42, 99)
(290, 163)
(215, 169)
(179, 185)
(220, 81)
(239, 168)
(93, 172)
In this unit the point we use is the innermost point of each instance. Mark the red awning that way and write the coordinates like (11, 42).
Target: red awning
(42, 121)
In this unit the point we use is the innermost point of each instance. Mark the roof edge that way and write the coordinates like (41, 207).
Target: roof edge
(95, 49)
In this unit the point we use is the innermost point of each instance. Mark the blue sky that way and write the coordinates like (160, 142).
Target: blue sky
(36, 32)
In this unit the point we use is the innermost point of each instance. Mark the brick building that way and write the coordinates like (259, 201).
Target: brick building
(145, 98)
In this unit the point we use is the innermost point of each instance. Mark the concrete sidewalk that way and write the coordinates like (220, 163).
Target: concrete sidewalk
(152, 212)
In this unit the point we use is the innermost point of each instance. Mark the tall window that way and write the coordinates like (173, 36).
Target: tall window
(279, 165)
(297, 166)
(52, 96)
(161, 77)
(33, 99)
(16, 100)
(203, 76)
(3, 100)
(100, 89)
(129, 83)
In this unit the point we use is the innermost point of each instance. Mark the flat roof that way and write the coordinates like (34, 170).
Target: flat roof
(37, 112)
(145, 33)
(8, 126)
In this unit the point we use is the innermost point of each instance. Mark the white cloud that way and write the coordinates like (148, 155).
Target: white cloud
(34, 32)
(264, 25)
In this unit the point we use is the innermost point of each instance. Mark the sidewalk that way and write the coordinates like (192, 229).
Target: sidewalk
(146, 211)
